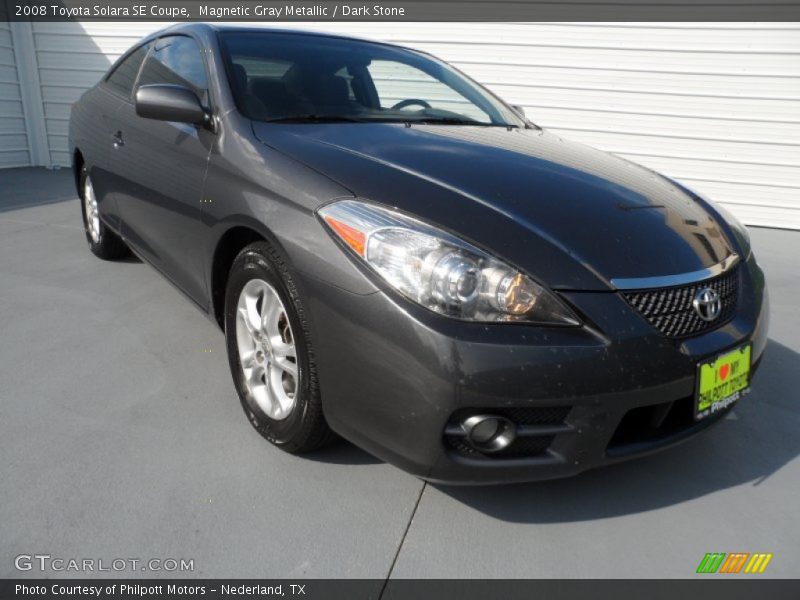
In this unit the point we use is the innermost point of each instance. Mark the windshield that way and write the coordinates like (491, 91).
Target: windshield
(309, 78)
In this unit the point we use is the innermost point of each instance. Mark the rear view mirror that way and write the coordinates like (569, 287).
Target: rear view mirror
(519, 110)
(166, 102)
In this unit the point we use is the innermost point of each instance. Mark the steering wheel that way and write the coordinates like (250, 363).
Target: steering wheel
(410, 102)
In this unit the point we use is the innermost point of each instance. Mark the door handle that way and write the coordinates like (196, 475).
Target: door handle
(117, 139)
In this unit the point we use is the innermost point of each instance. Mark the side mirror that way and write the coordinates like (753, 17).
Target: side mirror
(519, 110)
(166, 102)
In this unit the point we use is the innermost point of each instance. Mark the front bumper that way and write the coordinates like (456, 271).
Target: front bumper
(392, 376)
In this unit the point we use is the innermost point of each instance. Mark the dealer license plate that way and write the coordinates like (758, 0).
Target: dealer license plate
(721, 381)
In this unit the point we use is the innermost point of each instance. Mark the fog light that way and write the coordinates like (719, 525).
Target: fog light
(488, 433)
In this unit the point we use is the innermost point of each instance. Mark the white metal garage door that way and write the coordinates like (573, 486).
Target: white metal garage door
(13, 138)
(714, 105)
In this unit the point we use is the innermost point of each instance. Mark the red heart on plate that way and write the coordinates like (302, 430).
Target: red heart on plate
(723, 372)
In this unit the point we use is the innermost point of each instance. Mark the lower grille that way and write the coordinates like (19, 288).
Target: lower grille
(652, 422)
(670, 310)
(545, 415)
(648, 427)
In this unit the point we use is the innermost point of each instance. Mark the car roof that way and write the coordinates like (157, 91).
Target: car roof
(257, 28)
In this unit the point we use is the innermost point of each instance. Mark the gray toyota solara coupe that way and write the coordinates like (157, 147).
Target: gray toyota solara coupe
(398, 256)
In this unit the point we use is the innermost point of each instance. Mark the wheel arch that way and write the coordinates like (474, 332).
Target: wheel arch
(233, 240)
(77, 165)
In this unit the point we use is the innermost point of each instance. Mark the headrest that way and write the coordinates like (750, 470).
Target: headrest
(329, 90)
(240, 76)
(268, 89)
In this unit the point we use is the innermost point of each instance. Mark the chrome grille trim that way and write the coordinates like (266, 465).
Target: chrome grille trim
(665, 281)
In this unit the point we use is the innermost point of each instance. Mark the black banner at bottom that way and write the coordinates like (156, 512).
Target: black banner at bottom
(399, 589)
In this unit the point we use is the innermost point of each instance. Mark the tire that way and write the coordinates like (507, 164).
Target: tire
(285, 409)
(103, 242)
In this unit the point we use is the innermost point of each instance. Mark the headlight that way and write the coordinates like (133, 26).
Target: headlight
(440, 271)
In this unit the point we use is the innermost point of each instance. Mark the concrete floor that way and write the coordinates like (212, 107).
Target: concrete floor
(122, 436)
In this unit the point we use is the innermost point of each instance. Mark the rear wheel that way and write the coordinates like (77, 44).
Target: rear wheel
(269, 352)
(103, 242)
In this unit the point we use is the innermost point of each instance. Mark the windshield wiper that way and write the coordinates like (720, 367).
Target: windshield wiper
(314, 118)
(321, 118)
(454, 121)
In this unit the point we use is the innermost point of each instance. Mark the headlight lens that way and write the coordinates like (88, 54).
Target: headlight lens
(440, 271)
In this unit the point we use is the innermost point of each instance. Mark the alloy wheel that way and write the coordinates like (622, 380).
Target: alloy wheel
(92, 213)
(267, 352)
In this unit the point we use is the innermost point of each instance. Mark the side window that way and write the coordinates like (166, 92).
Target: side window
(396, 81)
(178, 60)
(124, 76)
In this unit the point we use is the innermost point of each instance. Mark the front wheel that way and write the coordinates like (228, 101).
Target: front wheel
(103, 242)
(269, 352)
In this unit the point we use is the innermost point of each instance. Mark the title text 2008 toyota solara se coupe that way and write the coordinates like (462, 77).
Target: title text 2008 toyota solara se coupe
(398, 256)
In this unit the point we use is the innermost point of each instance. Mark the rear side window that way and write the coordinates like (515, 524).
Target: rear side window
(123, 77)
(176, 60)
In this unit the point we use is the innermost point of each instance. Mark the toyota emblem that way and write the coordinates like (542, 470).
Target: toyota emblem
(707, 304)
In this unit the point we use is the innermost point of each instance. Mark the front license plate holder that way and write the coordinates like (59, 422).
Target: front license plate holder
(721, 381)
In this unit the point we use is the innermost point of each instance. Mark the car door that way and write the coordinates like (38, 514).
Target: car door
(99, 121)
(163, 168)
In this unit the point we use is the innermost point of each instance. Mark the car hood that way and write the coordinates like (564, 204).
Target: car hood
(571, 215)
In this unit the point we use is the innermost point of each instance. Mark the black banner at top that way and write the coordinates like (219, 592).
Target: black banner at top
(400, 10)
